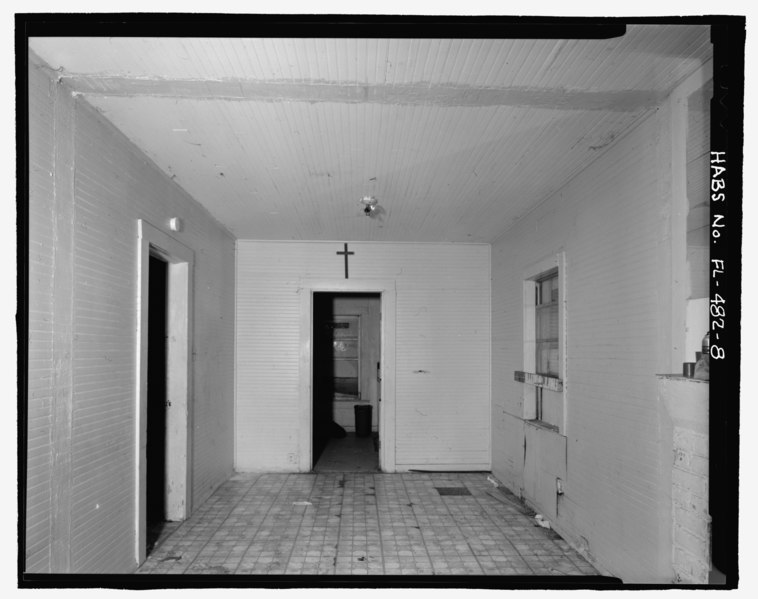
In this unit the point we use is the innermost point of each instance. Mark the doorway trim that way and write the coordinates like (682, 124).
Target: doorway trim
(181, 260)
(388, 299)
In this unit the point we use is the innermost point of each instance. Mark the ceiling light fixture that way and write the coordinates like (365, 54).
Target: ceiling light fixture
(371, 206)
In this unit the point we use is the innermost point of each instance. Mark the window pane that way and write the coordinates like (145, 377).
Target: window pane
(346, 326)
(546, 326)
(547, 358)
(552, 361)
(547, 323)
(345, 348)
(542, 360)
(346, 368)
(546, 291)
(346, 386)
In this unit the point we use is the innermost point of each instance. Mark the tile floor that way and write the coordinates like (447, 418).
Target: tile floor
(363, 524)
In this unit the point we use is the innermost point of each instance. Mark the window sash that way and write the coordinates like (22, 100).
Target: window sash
(547, 355)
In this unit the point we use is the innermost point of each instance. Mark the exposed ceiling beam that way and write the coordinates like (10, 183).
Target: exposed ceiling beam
(314, 92)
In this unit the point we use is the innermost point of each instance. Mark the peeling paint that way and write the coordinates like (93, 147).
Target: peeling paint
(608, 141)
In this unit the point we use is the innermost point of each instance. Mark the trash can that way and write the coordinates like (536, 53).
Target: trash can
(362, 421)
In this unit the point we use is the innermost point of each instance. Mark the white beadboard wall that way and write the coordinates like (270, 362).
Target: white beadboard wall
(41, 264)
(112, 185)
(442, 328)
(611, 222)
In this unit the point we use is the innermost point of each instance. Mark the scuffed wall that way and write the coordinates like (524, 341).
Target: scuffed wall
(612, 223)
(88, 187)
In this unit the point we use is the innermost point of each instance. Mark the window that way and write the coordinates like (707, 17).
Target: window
(544, 350)
(345, 341)
(546, 321)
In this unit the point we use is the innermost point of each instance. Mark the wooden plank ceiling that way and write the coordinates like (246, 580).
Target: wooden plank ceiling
(280, 138)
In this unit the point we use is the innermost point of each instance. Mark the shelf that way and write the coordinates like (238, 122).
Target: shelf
(679, 377)
(538, 380)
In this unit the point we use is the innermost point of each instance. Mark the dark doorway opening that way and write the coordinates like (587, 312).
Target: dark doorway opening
(346, 381)
(156, 400)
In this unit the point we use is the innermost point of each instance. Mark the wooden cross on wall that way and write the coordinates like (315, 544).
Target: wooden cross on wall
(346, 254)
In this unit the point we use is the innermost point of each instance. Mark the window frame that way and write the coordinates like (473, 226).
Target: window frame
(340, 318)
(533, 394)
(542, 307)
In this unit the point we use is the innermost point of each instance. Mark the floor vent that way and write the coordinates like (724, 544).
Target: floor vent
(453, 491)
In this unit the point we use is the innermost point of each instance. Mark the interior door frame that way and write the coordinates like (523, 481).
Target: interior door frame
(388, 300)
(181, 260)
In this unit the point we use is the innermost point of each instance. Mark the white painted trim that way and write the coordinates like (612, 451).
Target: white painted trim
(680, 272)
(305, 432)
(678, 224)
(530, 273)
(490, 429)
(528, 394)
(179, 384)
(235, 407)
(562, 312)
(180, 260)
(386, 288)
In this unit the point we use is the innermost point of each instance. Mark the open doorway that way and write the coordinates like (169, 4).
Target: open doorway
(346, 381)
(156, 400)
(164, 412)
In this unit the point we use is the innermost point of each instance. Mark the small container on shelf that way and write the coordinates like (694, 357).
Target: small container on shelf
(702, 366)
